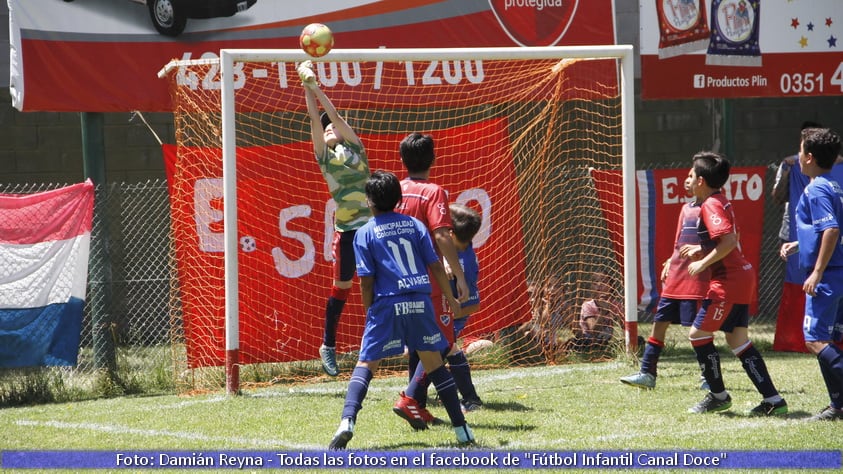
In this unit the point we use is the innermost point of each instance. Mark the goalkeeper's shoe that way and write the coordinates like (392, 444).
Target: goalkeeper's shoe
(640, 380)
(464, 434)
(711, 404)
(343, 435)
(409, 409)
(329, 360)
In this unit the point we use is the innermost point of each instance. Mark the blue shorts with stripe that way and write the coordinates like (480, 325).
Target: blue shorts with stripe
(393, 322)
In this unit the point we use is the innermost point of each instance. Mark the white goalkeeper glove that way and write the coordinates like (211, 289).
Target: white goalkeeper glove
(306, 74)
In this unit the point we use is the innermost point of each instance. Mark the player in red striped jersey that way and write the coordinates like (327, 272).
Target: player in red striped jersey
(732, 287)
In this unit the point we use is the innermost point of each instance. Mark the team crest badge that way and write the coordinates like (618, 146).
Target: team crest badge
(445, 319)
(535, 23)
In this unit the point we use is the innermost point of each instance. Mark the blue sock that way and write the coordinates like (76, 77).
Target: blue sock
(458, 365)
(417, 388)
(447, 390)
(756, 369)
(831, 366)
(709, 360)
(358, 387)
(650, 360)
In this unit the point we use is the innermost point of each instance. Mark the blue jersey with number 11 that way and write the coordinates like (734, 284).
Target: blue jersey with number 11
(396, 250)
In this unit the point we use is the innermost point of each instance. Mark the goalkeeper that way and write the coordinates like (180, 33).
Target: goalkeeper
(345, 166)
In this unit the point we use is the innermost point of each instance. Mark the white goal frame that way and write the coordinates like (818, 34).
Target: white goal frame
(229, 57)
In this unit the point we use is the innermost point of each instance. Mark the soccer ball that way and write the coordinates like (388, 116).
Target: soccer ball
(316, 40)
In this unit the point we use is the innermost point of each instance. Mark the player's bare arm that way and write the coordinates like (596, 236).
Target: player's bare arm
(830, 239)
(725, 244)
(438, 272)
(367, 291)
(446, 247)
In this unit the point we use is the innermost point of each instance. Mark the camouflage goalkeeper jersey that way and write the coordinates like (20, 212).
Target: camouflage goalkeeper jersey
(346, 169)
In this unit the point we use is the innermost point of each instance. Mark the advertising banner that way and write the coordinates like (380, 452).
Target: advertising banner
(741, 48)
(103, 55)
(285, 252)
(660, 197)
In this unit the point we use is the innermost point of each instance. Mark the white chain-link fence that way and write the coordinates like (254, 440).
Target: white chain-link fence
(132, 339)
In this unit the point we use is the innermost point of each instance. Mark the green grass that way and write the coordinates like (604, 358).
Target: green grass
(577, 407)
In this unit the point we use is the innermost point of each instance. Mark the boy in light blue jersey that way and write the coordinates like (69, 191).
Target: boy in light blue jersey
(393, 254)
(819, 215)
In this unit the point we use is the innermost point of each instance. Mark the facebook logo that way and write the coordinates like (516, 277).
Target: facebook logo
(699, 81)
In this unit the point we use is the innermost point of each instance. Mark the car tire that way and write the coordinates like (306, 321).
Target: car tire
(167, 16)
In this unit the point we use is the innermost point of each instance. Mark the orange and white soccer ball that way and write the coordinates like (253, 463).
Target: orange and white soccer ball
(316, 40)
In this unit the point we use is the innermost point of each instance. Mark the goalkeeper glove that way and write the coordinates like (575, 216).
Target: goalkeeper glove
(306, 74)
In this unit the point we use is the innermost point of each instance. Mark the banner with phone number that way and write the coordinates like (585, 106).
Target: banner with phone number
(103, 56)
(741, 48)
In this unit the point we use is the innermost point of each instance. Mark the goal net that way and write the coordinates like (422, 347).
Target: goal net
(537, 140)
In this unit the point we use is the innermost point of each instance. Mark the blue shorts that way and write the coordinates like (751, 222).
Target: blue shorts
(717, 315)
(824, 312)
(676, 311)
(393, 322)
(459, 325)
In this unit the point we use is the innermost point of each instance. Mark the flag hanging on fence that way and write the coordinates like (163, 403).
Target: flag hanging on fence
(44, 246)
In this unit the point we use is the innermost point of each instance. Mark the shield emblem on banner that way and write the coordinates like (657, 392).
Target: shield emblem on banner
(535, 23)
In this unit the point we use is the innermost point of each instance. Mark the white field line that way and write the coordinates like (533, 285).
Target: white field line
(122, 430)
(479, 378)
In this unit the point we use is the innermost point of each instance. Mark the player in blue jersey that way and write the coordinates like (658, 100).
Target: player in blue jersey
(819, 214)
(393, 254)
(412, 403)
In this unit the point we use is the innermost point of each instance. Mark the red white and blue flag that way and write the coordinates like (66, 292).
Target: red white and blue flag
(44, 246)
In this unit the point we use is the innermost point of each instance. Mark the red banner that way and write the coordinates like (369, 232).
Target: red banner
(282, 234)
(70, 56)
(660, 197)
(741, 48)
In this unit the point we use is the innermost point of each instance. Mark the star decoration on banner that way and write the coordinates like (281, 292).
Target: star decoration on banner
(828, 22)
(803, 42)
(832, 41)
(794, 23)
(810, 26)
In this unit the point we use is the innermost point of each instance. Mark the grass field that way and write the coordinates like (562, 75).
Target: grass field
(578, 407)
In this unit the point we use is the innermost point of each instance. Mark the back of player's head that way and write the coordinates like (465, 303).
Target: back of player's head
(810, 124)
(466, 221)
(417, 152)
(823, 144)
(383, 190)
(713, 167)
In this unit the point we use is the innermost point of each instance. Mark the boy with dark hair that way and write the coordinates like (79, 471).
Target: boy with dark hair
(818, 216)
(345, 166)
(680, 296)
(412, 402)
(393, 253)
(732, 285)
(428, 202)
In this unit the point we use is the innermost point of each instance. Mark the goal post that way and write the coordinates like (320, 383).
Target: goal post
(539, 140)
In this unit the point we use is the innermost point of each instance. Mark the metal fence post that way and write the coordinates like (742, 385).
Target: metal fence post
(93, 155)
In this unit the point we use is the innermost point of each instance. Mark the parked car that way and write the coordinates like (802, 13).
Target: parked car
(170, 16)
